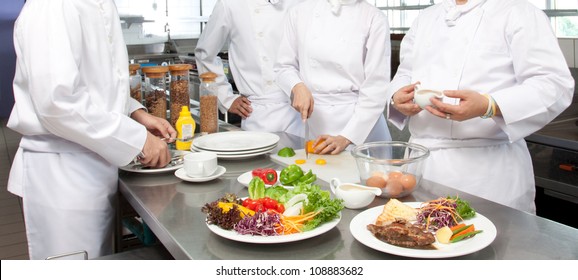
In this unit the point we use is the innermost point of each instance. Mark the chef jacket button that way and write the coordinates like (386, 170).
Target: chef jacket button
(316, 89)
(260, 34)
(269, 83)
(265, 58)
(316, 14)
(256, 11)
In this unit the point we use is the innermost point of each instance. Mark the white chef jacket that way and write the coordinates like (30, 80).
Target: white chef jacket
(344, 60)
(252, 28)
(72, 107)
(503, 48)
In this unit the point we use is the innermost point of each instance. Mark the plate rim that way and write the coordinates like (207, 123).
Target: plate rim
(219, 134)
(278, 239)
(235, 153)
(220, 171)
(365, 237)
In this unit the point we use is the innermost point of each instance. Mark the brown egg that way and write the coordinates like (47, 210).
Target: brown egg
(376, 181)
(394, 187)
(408, 182)
(395, 175)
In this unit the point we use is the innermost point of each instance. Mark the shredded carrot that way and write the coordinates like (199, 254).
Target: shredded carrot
(457, 226)
(294, 224)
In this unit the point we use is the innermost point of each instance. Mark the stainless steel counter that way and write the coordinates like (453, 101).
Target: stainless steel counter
(171, 208)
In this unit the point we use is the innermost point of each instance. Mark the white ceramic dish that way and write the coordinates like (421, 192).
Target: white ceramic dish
(358, 228)
(233, 235)
(236, 153)
(244, 156)
(246, 178)
(182, 174)
(235, 141)
(136, 167)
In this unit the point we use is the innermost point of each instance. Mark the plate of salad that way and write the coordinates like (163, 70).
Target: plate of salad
(487, 234)
(275, 214)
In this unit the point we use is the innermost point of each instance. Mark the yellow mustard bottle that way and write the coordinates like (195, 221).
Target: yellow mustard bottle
(185, 127)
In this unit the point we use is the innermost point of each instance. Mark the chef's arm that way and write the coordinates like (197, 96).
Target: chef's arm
(287, 65)
(402, 77)
(545, 86)
(211, 42)
(370, 105)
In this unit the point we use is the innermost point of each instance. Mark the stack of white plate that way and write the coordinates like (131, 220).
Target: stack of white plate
(236, 144)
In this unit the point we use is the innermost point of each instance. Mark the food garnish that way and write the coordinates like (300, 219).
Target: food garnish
(256, 188)
(320, 161)
(300, 161)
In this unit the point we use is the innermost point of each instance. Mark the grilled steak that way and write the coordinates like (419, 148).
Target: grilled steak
(401, 233)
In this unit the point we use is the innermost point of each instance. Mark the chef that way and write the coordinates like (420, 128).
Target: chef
(503, 76)
(74, 112)
(334, 61)
(252, 29)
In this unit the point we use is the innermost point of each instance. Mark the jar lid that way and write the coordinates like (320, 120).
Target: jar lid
(133, 67)
(208, 77)
(155, 69)
(179, 67)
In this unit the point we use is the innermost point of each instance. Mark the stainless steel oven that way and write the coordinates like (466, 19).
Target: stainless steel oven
(554, 151)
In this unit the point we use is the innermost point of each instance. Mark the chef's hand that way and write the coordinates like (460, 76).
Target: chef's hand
(403, 101)
(302, 100)
(155, 153)
(327, 144)
(471, 105)
(157, 126)
(242, 107)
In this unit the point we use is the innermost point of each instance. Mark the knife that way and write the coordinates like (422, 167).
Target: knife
(306, 138)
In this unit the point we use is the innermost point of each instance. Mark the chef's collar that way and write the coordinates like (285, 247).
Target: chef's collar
(274, 2)
(336, 5)
(453, 11)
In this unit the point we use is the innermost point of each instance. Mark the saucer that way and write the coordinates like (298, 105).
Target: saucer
(183, 175)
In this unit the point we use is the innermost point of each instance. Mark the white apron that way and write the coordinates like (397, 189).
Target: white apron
(68, 202)
(272, 113)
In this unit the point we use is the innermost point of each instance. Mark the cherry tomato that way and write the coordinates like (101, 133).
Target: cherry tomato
(246, 202)
(260, 208)
(280, 208)
(270, 203)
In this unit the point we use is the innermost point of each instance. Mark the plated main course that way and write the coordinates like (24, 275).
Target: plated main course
(442, 219)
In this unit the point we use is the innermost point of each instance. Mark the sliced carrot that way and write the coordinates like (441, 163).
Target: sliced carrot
(457, 226)
(468, 229)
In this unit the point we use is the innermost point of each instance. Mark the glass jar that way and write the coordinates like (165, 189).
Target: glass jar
(179, 90)
(135, 82)
(155, 98)
(209, 114)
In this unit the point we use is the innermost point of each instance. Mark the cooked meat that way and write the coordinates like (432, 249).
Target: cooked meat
(401, 233)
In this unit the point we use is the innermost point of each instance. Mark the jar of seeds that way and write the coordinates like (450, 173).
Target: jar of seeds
(209, 113)
(135, 81)
(179, 89)
(155, 98)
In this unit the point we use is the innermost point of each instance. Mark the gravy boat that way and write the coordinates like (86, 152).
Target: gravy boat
(354, 196)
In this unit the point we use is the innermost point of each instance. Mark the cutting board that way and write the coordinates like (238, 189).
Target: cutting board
(340, 166)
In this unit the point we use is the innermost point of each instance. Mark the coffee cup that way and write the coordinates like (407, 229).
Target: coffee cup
(200, 164)
(422, 96)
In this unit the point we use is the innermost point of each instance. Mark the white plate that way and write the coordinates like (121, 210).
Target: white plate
(246, 178)
(235, 141)
(244, 156)
(236, 153)
(136, 167)
(358, 228)
(183, 175)
(233, 235)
